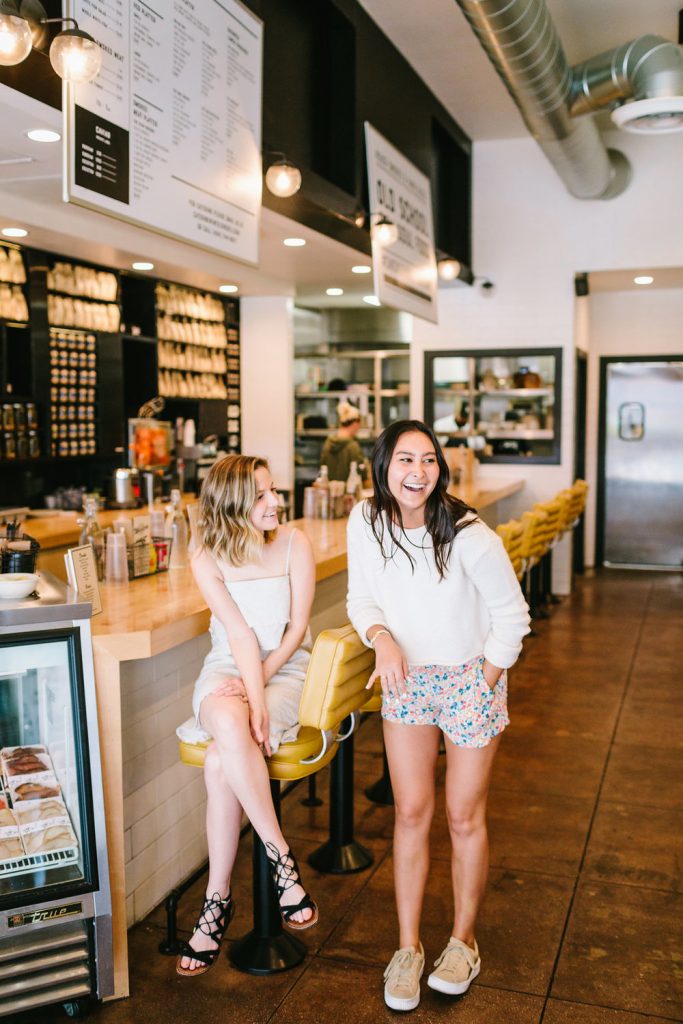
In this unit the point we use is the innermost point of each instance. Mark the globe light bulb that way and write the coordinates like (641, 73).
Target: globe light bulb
(449, 269)
(283, 179)
(15, 39)
(384, 232)
(75, 56)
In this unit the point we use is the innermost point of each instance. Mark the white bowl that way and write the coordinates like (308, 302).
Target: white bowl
(15, 585)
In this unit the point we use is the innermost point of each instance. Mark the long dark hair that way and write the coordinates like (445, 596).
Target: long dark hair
(443, 513)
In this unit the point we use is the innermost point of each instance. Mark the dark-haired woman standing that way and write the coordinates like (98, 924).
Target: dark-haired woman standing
(431, 589)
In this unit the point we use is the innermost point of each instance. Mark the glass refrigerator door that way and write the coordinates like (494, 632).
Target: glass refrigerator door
(47, 845)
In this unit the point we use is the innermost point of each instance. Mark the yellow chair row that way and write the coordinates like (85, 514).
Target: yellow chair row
(529, 540)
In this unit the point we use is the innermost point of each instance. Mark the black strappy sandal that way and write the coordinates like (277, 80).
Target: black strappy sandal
(285, 874)
(215, 916)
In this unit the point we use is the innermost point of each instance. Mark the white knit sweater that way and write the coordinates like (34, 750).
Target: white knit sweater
(478, 607)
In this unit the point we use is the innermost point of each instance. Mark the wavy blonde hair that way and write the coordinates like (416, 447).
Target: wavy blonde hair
(228, 495)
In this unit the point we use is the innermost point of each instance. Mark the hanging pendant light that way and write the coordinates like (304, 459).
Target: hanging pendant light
(384, 232)
(15, 35)
(75, 55)
(283, 179)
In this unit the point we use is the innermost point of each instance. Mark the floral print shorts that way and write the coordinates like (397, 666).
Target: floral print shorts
(456, 698)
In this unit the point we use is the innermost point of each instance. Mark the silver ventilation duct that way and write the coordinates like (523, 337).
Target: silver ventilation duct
(525, 49)
(648, 70)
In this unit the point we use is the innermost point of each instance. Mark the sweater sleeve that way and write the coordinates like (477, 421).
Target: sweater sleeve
(488, 566)
(361, 605)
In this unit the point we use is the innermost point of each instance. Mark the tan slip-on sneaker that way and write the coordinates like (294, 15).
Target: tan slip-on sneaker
(402, 977)
(457, 966)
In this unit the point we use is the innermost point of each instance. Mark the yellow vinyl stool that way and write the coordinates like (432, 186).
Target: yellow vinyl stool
(533, 549)
(334, 688)
(512, 534)
(552, 531)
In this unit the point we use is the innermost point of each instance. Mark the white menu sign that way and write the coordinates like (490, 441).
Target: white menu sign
(405, 272)
(168, 135)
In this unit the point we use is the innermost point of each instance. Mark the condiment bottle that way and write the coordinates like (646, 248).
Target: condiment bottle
(322, 486)
(353, 488)
(91, 533)
(176, 529)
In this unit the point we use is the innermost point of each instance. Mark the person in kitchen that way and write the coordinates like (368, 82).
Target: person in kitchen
(341, 448)
(258, 579)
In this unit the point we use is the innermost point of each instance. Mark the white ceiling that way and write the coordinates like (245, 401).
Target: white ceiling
(436, 40)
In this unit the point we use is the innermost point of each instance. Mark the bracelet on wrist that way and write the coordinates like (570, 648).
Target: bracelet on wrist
(380, 632)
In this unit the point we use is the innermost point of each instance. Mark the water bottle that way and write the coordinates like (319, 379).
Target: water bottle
(91, 533)
(176, 530)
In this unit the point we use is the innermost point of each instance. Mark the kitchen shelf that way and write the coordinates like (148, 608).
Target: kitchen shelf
(514, 422)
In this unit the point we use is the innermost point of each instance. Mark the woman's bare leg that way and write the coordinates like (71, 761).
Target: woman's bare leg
(412, 751)
(223, 822)
(468, 775)
(243, 764)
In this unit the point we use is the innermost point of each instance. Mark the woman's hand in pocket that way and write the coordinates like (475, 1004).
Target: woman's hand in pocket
(491, 673)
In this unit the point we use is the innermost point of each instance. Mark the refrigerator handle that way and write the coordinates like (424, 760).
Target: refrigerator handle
(631, 421)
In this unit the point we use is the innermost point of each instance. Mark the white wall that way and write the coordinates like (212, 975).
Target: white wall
(646, 322)
(530, 238)
(267, 382)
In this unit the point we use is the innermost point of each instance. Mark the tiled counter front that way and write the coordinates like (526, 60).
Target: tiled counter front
(164, 801)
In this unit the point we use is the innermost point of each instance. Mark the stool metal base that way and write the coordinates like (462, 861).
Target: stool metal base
(256, 954)
(380, 792)
(332, 859)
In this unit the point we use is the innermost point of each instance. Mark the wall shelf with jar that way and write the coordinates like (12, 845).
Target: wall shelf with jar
(504, 402)
(73, 393)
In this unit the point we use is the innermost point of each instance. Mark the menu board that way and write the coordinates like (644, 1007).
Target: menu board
(405, 275)
(168, 135)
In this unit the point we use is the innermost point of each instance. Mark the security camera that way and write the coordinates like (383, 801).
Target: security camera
(487, 285)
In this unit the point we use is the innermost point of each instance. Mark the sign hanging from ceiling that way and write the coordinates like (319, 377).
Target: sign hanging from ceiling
(402, 230)
(168, 135)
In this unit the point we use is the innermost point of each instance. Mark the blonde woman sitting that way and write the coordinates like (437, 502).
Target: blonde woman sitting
(258, 579)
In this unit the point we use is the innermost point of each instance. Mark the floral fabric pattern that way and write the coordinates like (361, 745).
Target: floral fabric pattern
(455, 698)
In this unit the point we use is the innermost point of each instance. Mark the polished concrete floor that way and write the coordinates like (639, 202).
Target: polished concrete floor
(583, 919)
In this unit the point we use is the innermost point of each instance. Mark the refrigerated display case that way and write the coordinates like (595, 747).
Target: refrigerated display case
(55, 905)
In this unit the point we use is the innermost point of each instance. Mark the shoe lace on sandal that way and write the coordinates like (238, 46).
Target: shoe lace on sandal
(211, 914)
(284, 867)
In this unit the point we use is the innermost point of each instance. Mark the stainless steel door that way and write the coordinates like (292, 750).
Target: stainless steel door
(643, 524)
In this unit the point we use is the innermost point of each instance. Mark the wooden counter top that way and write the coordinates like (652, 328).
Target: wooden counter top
(153, 614)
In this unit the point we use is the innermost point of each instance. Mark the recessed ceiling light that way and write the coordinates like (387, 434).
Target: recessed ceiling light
(334, 291)
(294, 243)
(142, 265)
(361, 269)
(43, 135)
(228, 289)
(14, 232)
(371, 300)
(643, 279)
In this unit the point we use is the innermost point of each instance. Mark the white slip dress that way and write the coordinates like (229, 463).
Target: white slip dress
(265, 603)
